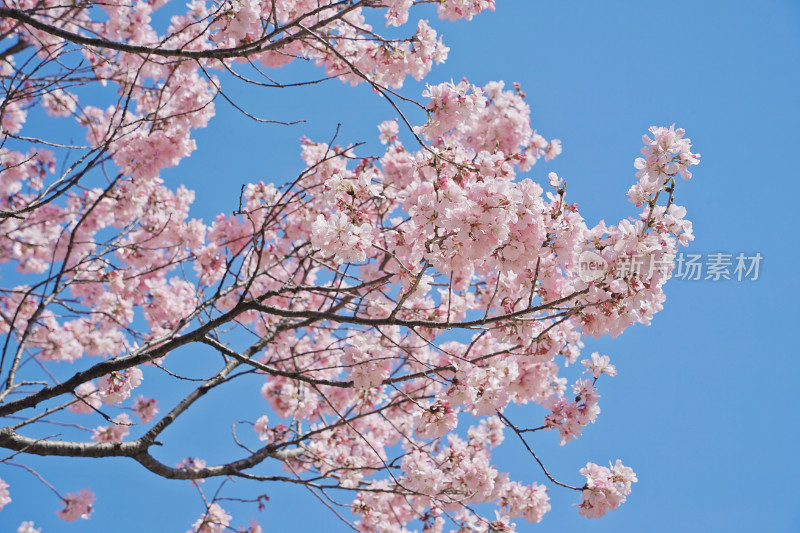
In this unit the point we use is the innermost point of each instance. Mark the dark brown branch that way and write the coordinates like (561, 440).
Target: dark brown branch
(14, 49)
(228, 469)
(11, 440)
(508, 423)
(120, 363)
(137, 450)
(254, 47)
(390, 321)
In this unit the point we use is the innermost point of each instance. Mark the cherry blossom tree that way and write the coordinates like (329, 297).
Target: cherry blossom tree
(392, 307)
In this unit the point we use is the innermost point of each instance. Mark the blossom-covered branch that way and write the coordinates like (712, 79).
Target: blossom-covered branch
(381, 301)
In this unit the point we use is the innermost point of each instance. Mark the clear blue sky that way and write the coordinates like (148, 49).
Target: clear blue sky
(704, 407)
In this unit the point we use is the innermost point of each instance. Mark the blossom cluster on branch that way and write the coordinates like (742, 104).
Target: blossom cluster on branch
(338, 289)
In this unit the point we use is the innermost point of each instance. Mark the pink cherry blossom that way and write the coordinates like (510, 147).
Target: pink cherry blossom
(89, 399)
(368, 367)
(77, 506)
(397, 14)
(436, 420)
(570, 416)
(605, 489)
(114, 433)
(59, 103)
(599, 364)
(529, 502)
(145, 408)
(5, 499)
(14, 116)
(117, 386)
(666, 155)
(214, 520)
(261, 426)
(254, 528)
(389, 130)
(339, 237)
(457, 9)
(552, 150)
(450, 106)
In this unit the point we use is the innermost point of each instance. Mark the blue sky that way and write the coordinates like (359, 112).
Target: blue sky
(703, 406)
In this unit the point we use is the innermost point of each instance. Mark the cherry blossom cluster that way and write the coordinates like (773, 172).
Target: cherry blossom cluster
(217, 520)
(117, 386)
(145, 408)
(598, 365)
(510, 249)
(177, 98)
(214, 520)
(77, 506)
(114, 433)
(666, 155)
(397, 13)
(571, 416)
(346, 280)
(605, 489)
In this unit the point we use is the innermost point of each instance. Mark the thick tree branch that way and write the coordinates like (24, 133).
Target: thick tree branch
(254, 47)
(11, 440)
